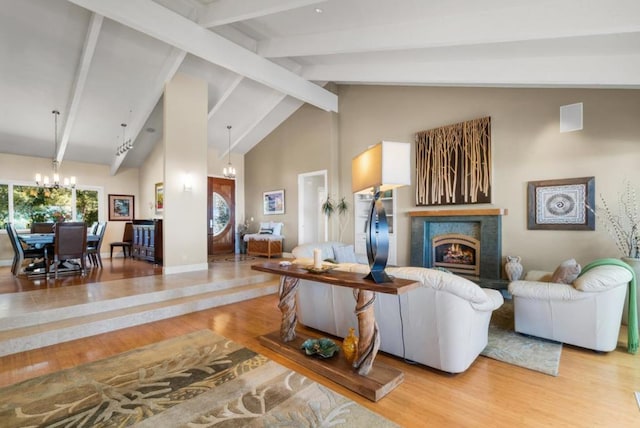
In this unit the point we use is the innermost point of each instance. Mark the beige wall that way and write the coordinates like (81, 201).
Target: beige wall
(527, 146)
(304, 143)
(151, 172)
(185, 152)
(23, 168)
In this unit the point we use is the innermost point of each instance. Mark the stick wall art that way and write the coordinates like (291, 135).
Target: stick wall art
(453, 164)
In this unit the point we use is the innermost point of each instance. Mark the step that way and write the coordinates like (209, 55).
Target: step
(66, 323)
(47, 306)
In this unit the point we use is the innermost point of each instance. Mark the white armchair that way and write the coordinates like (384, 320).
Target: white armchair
(586, 313)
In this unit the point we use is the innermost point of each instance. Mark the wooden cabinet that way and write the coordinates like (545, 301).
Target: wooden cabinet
(147, 240)
(361, 207)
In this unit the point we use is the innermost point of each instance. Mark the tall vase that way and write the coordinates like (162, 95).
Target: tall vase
(350, 346)
(513, 268)
(635, 265)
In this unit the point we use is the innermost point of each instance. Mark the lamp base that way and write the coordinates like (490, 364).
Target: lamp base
(377, 240)
(378, 277)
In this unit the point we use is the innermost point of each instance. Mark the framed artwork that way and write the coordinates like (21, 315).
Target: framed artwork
(159, 198)
(121, 207)
(453, 164)
(561, 204)
(273, 202)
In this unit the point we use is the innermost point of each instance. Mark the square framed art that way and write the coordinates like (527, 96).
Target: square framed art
(561, 204)
(121, 207)
(273, 202)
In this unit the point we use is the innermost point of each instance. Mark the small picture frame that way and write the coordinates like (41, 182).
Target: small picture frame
(273, 202)
(121, 207)
(561, 204)
(159, 198)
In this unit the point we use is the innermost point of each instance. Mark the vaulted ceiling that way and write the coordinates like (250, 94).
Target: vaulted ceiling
(103, 63)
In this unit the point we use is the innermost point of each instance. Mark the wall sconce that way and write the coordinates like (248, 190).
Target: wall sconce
(571, 117)
(382, 167)
(187, 183)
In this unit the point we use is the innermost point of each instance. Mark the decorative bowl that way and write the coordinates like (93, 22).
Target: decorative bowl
(323, 269)
(322, 347)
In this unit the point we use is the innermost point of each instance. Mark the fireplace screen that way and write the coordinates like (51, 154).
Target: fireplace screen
(458, 253)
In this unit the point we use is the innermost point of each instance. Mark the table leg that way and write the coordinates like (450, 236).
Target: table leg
(369, 336)
(287, 305)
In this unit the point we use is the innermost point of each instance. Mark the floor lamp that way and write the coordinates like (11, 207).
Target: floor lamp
(381, 167)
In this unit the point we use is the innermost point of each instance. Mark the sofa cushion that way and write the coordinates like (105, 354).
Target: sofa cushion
(344, 254)
(602, 278)
(444, 281)
(567, 272)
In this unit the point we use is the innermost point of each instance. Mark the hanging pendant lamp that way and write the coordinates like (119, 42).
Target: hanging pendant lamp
(229, 171)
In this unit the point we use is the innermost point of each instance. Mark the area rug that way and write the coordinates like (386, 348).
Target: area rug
(521, 350)
(198, 380)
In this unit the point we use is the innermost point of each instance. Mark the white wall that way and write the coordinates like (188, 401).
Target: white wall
(185, 153)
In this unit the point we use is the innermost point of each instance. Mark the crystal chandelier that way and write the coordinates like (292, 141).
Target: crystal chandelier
(229, 171)
(55, 184)
(126, 145)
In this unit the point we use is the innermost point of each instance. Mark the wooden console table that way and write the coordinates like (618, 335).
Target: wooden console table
(369, 379)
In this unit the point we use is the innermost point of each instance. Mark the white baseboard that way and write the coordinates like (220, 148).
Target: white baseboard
(168, 270)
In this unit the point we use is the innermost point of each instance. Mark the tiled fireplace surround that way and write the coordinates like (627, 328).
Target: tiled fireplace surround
(482, 224)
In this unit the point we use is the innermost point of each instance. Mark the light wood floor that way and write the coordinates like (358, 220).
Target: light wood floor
(592, 390)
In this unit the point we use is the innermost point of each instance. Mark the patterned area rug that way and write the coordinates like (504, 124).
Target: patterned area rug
(198, 380)
(521, 350)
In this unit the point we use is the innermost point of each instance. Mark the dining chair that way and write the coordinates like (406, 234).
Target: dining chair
(127, 240)
(42, 227)
(21, 253)
(70, 243)
(93, 247)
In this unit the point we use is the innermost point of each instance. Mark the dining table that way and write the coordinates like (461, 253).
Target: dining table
(47, 239)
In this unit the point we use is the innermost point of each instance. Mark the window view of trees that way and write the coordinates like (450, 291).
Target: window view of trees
(87, 206)
(35, 204)
(4, 205)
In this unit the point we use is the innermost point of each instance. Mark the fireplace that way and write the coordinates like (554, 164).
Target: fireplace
(457, 253)
(476, 235)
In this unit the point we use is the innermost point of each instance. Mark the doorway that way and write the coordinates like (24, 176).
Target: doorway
(221, 219)
(312, 192)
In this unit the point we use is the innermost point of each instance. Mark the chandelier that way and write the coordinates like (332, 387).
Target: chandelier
(126, 145)
(229, 171)
(55, 184)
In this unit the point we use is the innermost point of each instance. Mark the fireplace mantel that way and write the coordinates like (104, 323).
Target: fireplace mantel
(447, 213)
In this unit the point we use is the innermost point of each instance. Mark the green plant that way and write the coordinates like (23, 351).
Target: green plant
(331, 206)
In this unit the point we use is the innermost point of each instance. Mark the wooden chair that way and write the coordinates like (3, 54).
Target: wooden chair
(70, 243)
(42, 227)
(93, 248)
(127, 240)
(21, 253)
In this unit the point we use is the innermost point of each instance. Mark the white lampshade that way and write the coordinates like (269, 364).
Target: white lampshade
(385, 165)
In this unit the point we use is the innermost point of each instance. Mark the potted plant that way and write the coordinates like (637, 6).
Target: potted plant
(623, 226)
(330, 206)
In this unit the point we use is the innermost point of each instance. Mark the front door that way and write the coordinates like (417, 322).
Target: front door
(221, 208)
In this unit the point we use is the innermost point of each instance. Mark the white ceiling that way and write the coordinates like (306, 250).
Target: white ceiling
(103, 63)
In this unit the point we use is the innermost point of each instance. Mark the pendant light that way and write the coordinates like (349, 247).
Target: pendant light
(55, 184)
(229, 171)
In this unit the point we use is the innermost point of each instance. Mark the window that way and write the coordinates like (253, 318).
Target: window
(26, 204)
(87, 206)
(4, 205)
(35, 204)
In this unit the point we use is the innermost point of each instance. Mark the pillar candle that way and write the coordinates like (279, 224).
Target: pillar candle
(317, 258)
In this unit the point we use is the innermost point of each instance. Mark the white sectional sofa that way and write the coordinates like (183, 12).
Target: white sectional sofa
(442, 324)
